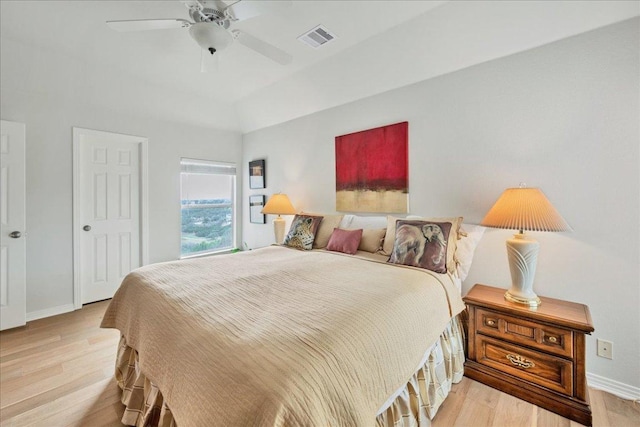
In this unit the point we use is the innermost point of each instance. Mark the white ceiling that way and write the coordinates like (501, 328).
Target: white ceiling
(381, 45)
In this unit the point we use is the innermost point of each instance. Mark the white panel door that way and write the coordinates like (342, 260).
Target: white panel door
(13, 309)
(108, 209)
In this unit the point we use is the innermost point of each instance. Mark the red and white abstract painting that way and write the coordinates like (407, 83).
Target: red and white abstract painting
(372, 170)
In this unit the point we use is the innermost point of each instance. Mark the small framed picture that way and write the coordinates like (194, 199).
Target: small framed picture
(256, 203)
(257, 174)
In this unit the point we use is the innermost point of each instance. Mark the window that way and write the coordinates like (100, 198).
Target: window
(208, 206)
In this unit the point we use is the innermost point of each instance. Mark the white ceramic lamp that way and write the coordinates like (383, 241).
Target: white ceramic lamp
(279, 204)
(523, 209)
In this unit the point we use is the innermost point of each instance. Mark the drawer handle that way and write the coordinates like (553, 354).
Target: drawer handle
(491, 322)
(520, 361)
(552, 339)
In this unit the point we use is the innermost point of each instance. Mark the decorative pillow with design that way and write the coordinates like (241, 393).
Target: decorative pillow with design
(345, 241)
(456, 222)
(302, 232)
(422, 244)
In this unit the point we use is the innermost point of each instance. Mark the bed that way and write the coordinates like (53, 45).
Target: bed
(285, 337)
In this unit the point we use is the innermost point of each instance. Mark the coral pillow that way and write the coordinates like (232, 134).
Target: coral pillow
(345, 241)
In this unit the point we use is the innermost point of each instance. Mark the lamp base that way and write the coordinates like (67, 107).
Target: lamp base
(531, 302)
(522, 252)
(278, 229)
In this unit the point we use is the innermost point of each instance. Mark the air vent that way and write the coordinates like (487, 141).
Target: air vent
(317, 37)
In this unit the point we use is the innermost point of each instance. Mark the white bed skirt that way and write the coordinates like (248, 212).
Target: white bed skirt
(414, 405)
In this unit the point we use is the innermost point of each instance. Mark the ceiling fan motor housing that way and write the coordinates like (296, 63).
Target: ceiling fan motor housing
(210, 35)
(208, 14)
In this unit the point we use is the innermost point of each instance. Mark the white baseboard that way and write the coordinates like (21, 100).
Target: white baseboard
(48, 312)
(622, 390)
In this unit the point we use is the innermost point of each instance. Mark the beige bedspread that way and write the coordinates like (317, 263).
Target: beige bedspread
(280, 337)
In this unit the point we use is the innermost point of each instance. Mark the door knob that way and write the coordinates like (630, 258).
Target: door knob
(87, 228)
(15, 234)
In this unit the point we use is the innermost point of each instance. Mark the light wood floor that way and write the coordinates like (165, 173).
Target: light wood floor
(59, 372)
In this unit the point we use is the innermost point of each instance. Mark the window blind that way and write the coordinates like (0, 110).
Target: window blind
(207, 167)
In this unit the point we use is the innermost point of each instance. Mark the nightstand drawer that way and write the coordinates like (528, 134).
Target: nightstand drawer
(539, 368)
(519, 331)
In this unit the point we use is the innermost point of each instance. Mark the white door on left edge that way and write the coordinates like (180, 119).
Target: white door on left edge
(108, 209)
(13, 309)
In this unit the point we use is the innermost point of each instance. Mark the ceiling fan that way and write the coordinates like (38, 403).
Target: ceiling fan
(211, 24)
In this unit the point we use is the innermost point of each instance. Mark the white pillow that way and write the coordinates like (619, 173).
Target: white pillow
(346, 220)
(467, 246)
(365, 222)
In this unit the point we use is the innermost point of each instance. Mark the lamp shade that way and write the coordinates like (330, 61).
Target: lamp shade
(524, 209)
(279, 204)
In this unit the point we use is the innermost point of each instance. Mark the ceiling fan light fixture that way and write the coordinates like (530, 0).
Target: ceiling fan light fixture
(210, 35)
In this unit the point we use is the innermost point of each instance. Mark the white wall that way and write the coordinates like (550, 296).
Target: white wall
(36, 89)
(450, 37)
(562, 117)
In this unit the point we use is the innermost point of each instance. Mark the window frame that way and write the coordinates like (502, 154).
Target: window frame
(233, 172)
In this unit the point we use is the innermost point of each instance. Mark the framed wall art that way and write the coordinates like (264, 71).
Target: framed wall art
(372, 170)
(256, 203)
(257, 174)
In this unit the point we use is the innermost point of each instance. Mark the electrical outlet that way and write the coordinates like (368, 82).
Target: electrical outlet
(605, 349)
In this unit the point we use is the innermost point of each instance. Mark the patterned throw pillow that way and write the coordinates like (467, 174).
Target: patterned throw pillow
(454, 235)
(421, 244)
(302, 232)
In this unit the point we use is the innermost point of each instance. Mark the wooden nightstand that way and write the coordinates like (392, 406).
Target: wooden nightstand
(535, 354)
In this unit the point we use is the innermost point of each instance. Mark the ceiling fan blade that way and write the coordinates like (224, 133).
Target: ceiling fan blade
(245, 9)
(263, 48)
(148, 24)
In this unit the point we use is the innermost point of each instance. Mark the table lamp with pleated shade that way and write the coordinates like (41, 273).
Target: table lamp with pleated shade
(279, 204)
(523, 209)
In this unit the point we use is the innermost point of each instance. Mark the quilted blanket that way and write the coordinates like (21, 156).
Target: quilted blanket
(280, 337)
